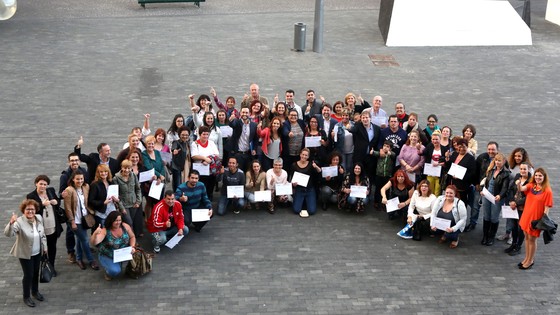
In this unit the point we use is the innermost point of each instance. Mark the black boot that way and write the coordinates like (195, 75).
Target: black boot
(492, 233)
(515, 250)
(485, 230)
(510, 249)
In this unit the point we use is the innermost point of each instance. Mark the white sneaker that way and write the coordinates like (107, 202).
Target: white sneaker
(303, 214)
(156, 249)
(502, 237)
(510, 241)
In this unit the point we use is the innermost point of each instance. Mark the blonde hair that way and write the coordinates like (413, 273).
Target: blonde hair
(499, 156)
(100, 168)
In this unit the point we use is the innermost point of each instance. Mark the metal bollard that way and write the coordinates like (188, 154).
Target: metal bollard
(299, 36)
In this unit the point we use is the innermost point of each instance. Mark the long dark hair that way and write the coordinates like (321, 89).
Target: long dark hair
(362, 173)
(111, 218)
(173, 127)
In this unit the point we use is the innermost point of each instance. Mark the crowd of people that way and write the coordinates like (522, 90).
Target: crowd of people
(263, 155)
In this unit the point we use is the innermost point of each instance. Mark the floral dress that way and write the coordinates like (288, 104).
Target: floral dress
(349, 180)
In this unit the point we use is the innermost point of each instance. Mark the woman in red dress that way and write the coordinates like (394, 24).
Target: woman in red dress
(538, 202)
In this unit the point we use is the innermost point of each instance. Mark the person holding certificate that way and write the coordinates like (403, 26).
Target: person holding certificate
(192, 195)
(166, 220)
(343, 138)
(232, 176)
(347, 198)
(304, 191)
(411, 158)
(115, 234)
(538, 203)
(271, 142)
(293, 133)
(462, 159)
(152, 160)
(100, 201)
(130, 196)
(453, 213)
(401, 187)
(497, 184)
(434, 154)
(517, 202)
(277, 176)
(206, 154)
(330, 184)
(317, 153)
(255, 181)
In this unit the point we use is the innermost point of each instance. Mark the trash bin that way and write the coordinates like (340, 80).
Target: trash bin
(299, 36)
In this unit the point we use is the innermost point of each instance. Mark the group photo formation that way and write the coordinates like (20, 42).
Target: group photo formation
(244, 154)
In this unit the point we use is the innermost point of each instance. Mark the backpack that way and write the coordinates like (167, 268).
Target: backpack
(140, 264)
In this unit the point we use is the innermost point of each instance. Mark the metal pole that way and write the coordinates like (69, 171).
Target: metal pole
(318, 27)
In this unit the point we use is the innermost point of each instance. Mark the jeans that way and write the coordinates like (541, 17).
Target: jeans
(453, 236)
(111, 269)
(353, 200)
(70, 239)
(491, 211)
(30, 281)
(224, 202)
(82, 243)
(347, 161)
(328, 195)
(160, 238)
(475, 210)
(305, 194)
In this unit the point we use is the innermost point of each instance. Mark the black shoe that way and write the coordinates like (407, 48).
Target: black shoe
(515, 251)
(470, 227)
(29, 302)
(509, 249)
(54, 273)
(528, 267)
(490, 242)
(38, 296)
(324, 206)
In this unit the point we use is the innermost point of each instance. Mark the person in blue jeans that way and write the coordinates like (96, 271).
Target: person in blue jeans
(305, 192)
(114, 235)
(232, 176)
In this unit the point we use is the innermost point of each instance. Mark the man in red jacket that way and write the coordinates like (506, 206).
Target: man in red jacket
(166, 220)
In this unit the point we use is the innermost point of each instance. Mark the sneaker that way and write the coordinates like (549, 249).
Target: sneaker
(72, 258)
(236, 211)
(406, 232)
(509, 241)
(303, 214)
(156, 249)
(503, 237)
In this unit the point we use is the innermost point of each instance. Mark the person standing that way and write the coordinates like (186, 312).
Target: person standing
(31, 242)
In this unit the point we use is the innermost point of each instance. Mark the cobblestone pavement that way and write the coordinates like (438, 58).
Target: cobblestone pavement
(71, 68)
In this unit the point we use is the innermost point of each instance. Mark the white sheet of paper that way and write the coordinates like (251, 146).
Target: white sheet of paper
(264, 195)
(174, 240)
(200, 215)
(508, 213)
(411, 176)
(313, 142)
(392, 204)
(235, 191)
(440, 224)
(201, 168)
(155, 190)
(226, 131)
(331, 171)
(122, 254)
(457, 171)
(165, 156)
(283, 189)
(112, 190)
(358, 191)
(488, 196)
(300, 178)
(146, 176)
(431, 170)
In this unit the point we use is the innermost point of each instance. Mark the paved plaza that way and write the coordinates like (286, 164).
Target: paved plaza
(93, 68)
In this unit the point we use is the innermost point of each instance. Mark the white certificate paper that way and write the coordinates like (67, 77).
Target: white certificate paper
(226, 131)
(235, 191)
(174, 240)
(508, 213)
(457, 171)
(146, 176)
(431, 170)
(392, 204)
(155, 190)
(201, 168)
(264, 195)
(488, 196)
(122, 254)
(411, 176)
(313, 141)
(441, 224)
(331, 171)
(200, 215)
(300, 178)
(283, 189)
(358, 191)
(165, 156)
(112, 191)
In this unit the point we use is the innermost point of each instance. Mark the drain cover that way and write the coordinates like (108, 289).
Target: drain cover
(383, 60)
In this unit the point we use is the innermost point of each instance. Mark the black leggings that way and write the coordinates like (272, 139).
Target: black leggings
(30, 281)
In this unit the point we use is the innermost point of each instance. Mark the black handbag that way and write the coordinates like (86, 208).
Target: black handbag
(46, 270)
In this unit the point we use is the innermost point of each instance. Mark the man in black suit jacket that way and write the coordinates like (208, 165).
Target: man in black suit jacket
(92, 160)
(366, 138)
(243, 145)
(327, 123)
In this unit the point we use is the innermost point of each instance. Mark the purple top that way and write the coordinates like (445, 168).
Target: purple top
(412, 157)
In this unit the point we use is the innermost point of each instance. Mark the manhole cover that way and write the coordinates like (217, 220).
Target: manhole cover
(383, 60)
